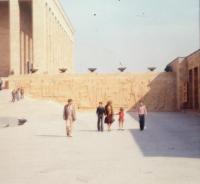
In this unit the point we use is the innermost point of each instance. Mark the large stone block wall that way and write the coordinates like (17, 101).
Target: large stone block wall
(4, 40)
(157, 90)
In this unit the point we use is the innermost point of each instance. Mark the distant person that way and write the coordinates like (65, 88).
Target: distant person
(109, 115)
(1, 84)
(13, 94)
(69, 116)
(21, 93)
(121, 118)
(17, 94)
(142, 112)
(100, 115)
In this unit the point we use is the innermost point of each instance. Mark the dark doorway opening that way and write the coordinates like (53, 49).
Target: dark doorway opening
(190, 89)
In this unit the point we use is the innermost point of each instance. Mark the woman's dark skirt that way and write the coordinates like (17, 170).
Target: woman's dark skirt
(109, 119)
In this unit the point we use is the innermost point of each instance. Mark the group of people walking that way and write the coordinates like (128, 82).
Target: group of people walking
(17, 94)
(104, 115)
(108, 112)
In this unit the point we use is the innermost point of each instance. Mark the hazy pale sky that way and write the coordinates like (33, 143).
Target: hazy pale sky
(137, 33)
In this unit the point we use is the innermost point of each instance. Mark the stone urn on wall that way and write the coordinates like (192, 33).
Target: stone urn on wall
(151, 69)
(62, 70)
(122, 69)
(92, 70)
(33, 70)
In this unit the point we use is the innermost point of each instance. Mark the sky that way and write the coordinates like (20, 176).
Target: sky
(136, 34)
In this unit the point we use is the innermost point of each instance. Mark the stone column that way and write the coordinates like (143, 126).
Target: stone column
(14, 36)
(22, 53)
(39, 46)
(51, 42)
(48, 41)
(54, 51)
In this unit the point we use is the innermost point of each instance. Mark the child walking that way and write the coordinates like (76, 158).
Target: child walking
(121, 118)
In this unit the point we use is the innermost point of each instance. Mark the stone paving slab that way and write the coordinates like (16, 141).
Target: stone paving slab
(168, 151)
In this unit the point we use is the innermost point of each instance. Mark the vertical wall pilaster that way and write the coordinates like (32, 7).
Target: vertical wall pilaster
(199, 84)
(22, 59)
(178, 105)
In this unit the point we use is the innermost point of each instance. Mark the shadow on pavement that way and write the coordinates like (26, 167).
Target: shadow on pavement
(11, 122)
(53, 136)
(87, 130)
(169, 135)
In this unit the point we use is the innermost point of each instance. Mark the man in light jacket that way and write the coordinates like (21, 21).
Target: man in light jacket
(69, 116)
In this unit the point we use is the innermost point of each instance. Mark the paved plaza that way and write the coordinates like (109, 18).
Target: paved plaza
(38, 152)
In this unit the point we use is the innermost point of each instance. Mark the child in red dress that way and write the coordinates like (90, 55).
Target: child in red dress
(121, 118)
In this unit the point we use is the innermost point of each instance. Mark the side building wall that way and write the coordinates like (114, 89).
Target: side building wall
(157, 90)
(187, 71)
(193, 64)
(180, 69)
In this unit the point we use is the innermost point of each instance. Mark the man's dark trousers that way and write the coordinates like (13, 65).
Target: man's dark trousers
(100, 123)
(142, 121)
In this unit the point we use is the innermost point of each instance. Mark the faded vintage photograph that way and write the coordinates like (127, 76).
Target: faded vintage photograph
(99, 91)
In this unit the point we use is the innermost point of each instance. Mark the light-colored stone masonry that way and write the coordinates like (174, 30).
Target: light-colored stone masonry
(158, 90)
(34, 34)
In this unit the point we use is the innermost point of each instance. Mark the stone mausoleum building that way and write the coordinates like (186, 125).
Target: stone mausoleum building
(34, 34)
